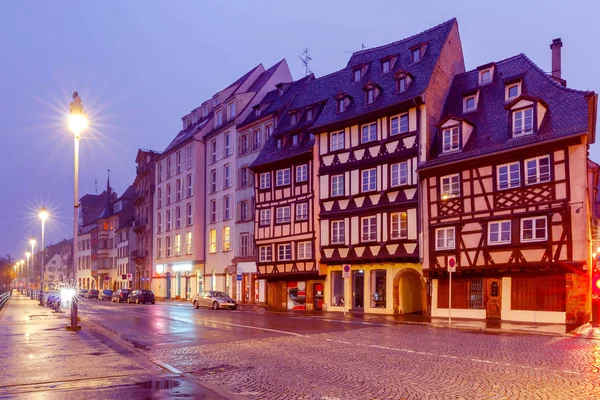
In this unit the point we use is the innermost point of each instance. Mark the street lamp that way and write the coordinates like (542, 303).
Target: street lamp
(78, 122)
(21, 263)
(16, 267)
(32, 244)
(27, 256)
(43, 214)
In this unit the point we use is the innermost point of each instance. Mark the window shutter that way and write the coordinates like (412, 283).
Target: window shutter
(251, 214)
(239, 178)
(238, 216)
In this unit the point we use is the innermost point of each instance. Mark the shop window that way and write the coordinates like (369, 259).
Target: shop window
(378, 286)
(466, 293)
(337, 289)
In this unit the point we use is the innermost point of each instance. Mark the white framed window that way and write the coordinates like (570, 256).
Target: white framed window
(370, 96)
(509, 175)
(213, 151)
(189, 214)
(213, 211)
(168, 218)
(338, 232)
(399, 174)
(188, 242)
(499, 232)
(304, 250)
(158, 248)
(283, 177)
(415, 54)
(537, 170)
(212, 241)
(169, 167)
(444, 238)
(188, 157)
(243, 144)
(194, 117)
(168, 245)
(159, 197)
(284, 252)
(513, 91)
(469, 104)
(485, 76)
(450, 186)
(227, 175)
(226, 207)
(179, 161)
(265, 217)
(302, 173)
(255, 139)
(231, 110)
(369, 180)
(369, 229)
(268, 131)
(177, 217)
(450, 139)
(204, 111)
(245, 245)
(301, 211)
(160, 172)
(244, 175)
(219, 119)
(368, 133)
(178, 244)
(282, 215)
(402, 83)
(385, 66)
(168, 193)
(399, 225)
(189, 185)
(265, 180)
(337, 141)
(244, 210)
(178, 190)
(337, 185)
(399, 124)
(158, 223)
(266, 253)
(356, 75)
(213, 181)
(227, 144)
(226, 238)
(534, 229)
(522, 122)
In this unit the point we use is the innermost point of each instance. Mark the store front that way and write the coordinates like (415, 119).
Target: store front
(299, 295)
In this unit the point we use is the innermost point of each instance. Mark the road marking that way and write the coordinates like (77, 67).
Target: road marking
(247, 327)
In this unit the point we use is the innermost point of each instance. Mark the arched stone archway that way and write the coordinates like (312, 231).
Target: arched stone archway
(410, 292)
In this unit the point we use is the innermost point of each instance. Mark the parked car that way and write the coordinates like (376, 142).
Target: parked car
(81, 292)
(105, 294)
(91, 294)
(214, 300)
(141, 296)
(120, 295)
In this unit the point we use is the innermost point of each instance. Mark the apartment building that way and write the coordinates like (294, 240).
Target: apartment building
(229, 181)
(506, 199)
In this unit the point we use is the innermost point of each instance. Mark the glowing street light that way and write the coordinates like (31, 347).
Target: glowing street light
(43, 214)
(32, 244)
(27, 256)
(78, 122)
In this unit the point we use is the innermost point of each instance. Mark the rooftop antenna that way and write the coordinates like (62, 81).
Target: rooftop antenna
(305, 58)
(362, 45)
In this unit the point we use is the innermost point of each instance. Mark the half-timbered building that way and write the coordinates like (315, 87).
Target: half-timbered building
(369, 135)
(285, 233)
(505, 194)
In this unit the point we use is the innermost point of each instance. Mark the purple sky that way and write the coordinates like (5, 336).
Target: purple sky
(141, 65)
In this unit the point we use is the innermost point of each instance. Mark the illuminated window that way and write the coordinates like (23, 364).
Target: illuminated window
(226, 239)
(450, 186)
(399, 225)
(188, 240)
(212, 244)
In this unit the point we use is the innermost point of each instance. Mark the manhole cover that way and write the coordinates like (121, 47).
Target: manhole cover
(159, 384)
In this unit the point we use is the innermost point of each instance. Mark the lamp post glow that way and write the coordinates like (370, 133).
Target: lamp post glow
(43, 214)
(21, 263)
(27, 256)
(32, 244)
(78, 122)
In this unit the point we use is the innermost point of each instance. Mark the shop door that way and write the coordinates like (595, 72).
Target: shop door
(318, 296)
(358, 290)
(494, 298)
(168, 291)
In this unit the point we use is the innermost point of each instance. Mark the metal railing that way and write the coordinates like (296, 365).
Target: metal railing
(4, 299)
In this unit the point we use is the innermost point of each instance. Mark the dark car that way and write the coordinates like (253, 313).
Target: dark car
(91, 294)
(81, 292)
(120, 295)
(141, 296)
(105, 294)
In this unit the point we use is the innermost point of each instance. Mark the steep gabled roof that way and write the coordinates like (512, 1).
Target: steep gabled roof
(264, 77)
(567, 109)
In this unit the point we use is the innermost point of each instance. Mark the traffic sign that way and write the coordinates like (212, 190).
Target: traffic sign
(346, 271)
(452, 264)
(238, 277)
(106, 278)
(129, 277)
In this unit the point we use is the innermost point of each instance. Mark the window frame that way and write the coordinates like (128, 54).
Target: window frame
(400, 118)
(264, 217)
(450, 133)
(523, 131)
(371, 180)
(285, 217)
(369, 132)
(371, 225)
(334, 141)
(499, 232)
(509, 182)
(450, 194)
(302, 211)
(400, 226)
(398, 178)
(446, 238)
(337, 233)
(265, 180)
(338, 178)
(304, 250)
(285, 177)
(302, 173)
(534, 228)
(466, 100)
(265, 253)
(226, 207)
(212, 241)
(537, 169)
(287, 252)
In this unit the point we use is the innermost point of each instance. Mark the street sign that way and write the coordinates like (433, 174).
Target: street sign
(106, 278)
(346, 271)
(452, 264)
(238, 277)
(129, 277)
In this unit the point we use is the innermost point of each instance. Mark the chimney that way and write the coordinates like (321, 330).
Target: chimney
(556, 61)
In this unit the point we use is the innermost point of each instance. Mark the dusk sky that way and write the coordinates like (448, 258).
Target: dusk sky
(139, 66)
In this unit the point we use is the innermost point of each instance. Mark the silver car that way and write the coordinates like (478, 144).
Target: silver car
(214, 300)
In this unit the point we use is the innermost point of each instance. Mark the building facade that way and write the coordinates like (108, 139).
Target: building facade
(506, 196)
(229, 181)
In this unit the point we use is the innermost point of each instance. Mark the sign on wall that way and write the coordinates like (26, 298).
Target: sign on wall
(452, 264)
(346, 271)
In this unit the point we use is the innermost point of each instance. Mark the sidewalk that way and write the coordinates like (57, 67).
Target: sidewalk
(39, 357)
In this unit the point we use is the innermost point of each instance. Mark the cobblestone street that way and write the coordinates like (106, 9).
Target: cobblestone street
(411, 362)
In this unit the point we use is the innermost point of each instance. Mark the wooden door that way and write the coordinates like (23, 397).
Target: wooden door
(494, 298)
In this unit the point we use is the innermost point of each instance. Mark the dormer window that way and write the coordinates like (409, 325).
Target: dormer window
(185, 123)
(231, 110)
(416, 52)
(309, 114)
(342, 101)
(280, 90)
(513, 91)
(470, 103)
(485, 76)
(205, 111)
(356, 75)
(279, 143)
(194, 117)
(522, 122)
(385, 66)
(403, 80)
(257, 111)
(370, 96)
(216, 100)
(295, 140)
(219, 120)
(341, 105)
(293, 118)
(450, 139)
